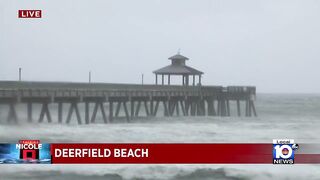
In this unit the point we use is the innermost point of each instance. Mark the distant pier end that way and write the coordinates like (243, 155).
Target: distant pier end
(130, 100)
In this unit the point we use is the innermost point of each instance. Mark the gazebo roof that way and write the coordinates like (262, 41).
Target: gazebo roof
(178, 69)
(178, 56)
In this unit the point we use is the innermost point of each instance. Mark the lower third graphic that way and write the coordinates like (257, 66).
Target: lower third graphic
(26, 151)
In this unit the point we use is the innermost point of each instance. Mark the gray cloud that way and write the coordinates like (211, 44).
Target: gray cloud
(271, 44)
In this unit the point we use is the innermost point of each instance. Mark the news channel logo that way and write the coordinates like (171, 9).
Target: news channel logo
(25, 152)
(283, 151)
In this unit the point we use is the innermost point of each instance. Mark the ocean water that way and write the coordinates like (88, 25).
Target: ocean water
(295, 116)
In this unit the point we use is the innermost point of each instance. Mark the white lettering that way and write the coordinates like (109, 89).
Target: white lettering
(57, 152)
(127, 153)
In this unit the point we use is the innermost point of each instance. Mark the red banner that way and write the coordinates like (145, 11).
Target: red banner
(161, 153)
(170, 153)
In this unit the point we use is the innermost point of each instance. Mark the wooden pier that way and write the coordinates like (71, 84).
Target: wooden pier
(128, 99)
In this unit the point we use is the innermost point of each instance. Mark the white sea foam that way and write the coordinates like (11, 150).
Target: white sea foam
(255, 172)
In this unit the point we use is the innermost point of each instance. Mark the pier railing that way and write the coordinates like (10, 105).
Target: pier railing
(41, 89)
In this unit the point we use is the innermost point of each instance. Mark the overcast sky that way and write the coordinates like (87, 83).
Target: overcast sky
(272, 44)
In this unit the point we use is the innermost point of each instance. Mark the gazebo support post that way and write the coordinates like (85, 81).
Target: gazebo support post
(183, 80)
(162, 79)
(187, 80)
(169, 79)
(194, 80)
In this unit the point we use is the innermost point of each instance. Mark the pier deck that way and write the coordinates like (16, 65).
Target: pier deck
(175, 100)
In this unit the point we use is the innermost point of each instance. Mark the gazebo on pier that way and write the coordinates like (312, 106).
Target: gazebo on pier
(178, 67)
